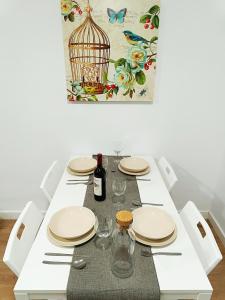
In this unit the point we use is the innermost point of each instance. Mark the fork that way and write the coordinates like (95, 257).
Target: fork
(77, 180)
(148, 253)
(84, 182)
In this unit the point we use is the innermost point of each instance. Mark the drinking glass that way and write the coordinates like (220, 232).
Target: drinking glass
(117, 148)
(119, 186)
(104, 231)
(105, 162)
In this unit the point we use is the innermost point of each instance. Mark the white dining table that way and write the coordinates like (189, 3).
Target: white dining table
(180, 277)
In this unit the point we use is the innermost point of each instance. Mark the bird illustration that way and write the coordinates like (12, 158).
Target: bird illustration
(133, 38)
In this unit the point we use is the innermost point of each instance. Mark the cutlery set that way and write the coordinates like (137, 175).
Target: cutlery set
(89, 182)
(81, 260)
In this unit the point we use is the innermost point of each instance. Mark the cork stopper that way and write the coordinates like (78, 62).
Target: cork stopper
(124, 218)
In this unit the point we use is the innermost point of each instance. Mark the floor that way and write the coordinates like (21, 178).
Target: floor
(8, 279)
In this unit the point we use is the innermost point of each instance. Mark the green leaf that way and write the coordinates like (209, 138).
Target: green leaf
(71, 17)
(120, 62)
(154, 9)
(153, 39)
(116, 90)
(126, 93)
(155, 21)
(144, 18)
(153, 59)
(131, 93)
(112, 61)
(140, 77)
(65, 18)
(92, 98)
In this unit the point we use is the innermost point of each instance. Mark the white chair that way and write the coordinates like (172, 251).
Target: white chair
(50, 180)
(201, 237)
(167, 172)
(17, 247)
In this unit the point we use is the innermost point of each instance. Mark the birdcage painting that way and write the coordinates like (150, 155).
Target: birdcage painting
(89, 52)
(110, 49)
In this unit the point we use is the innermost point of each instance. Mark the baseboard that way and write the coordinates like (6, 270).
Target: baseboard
(12, 214)
(219, 231)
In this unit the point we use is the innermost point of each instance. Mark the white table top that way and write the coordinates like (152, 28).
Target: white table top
(179, 274)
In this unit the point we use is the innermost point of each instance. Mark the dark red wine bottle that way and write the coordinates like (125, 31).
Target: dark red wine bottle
(99, 180)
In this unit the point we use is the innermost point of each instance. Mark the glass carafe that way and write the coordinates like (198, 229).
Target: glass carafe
(123, 244)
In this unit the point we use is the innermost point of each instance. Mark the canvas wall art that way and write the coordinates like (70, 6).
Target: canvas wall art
(110, 49)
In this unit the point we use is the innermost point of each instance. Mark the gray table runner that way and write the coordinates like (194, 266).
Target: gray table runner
(96, 281)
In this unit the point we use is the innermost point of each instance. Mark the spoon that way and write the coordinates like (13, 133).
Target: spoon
(76, 264)
(137, 203)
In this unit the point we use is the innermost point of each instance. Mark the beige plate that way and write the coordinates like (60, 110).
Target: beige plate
(77, 173)
(83, 164)
(152, 222)
(74, 242)
(134, 164)
(132, 173)
(72, 222)
(157, 243)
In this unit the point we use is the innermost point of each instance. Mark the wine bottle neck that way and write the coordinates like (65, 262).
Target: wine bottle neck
(99, 160)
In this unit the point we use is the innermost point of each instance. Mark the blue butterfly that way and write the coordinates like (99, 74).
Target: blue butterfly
(119, 17)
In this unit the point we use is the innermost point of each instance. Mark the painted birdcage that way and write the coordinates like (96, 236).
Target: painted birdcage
(89, 52)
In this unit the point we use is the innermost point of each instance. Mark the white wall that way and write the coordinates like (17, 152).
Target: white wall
(186, 122)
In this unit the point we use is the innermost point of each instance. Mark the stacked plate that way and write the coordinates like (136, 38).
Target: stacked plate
(82, 166)
(153, 226)
(72, 226)
(134, 166)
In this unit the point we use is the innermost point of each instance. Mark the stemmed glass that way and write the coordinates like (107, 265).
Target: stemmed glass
(104, 231)
(119, 186)
(105, 162)
(117, 148)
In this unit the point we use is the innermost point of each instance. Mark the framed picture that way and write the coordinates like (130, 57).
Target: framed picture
(110, 49)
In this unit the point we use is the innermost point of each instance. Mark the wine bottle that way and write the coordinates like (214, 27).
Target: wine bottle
(99, 180)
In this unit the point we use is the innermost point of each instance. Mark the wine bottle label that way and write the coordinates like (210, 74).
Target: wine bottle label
(97, 186)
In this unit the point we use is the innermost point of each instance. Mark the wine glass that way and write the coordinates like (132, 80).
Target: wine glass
(117, 148)
(104, 231)
(105, 162)
(119, 186)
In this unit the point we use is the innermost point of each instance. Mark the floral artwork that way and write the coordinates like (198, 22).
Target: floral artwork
(110, 49)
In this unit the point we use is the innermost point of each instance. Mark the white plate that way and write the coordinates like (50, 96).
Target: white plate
(83, 164)
(134, 164)
(157, 243)
(71, 242)
(152, 223)
(132, 173)
(72, 222)
(79, 174)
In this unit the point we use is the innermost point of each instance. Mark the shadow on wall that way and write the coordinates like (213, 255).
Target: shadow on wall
(218, 204)
(189, 188)
(218, 211)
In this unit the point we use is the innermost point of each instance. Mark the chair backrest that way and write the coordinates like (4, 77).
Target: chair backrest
(18, 247)
(167, 172)
(201, 237)
(50, 180)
